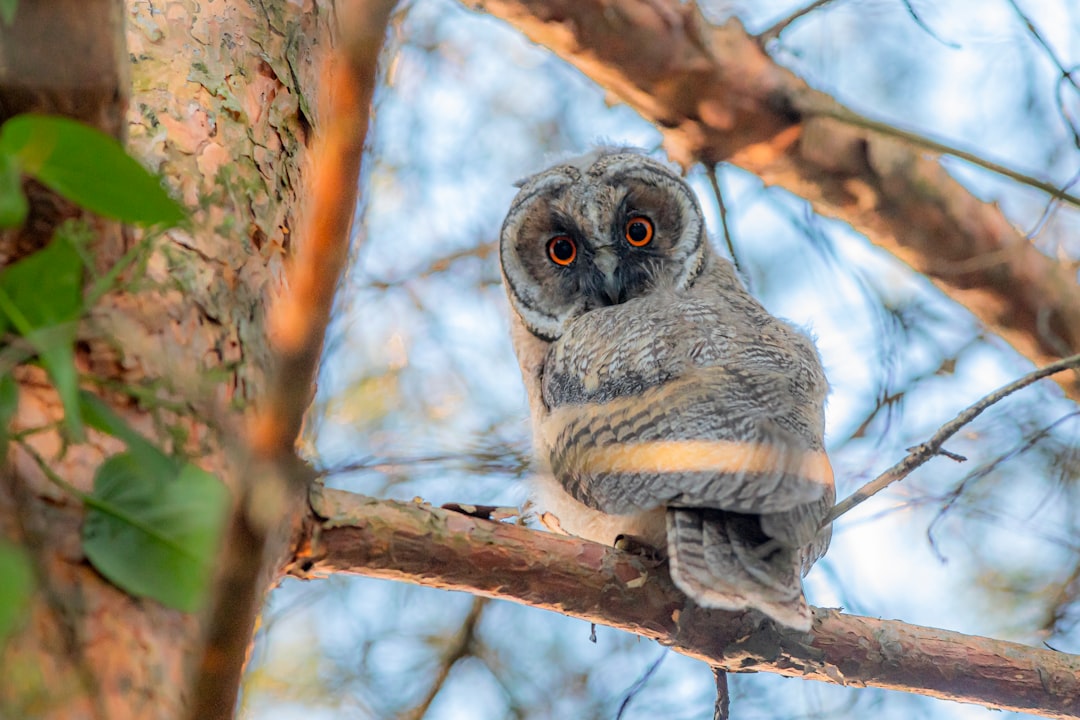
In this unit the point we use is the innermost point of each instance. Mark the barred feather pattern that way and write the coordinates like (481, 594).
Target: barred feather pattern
(716, 416)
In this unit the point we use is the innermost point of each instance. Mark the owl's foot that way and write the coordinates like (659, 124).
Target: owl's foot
(637, 546)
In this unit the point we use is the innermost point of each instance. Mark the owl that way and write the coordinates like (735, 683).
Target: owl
(667, 404)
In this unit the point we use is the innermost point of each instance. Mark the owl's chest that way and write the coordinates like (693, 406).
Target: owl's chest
(625, 349)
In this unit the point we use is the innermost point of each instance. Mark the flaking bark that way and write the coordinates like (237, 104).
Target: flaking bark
(416, 543)
(216, 106)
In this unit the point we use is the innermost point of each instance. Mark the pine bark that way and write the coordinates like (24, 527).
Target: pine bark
(413, 542)
(213, 96)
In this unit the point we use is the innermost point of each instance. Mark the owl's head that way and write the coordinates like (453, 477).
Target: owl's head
(598, 230)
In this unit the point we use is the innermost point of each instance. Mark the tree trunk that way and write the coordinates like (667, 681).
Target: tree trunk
(218, 107)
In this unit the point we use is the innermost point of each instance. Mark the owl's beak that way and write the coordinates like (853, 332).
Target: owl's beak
(607, 263)
(611, 289)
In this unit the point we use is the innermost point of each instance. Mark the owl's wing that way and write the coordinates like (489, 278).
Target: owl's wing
(715, 437)
(722, 453)
(711, 408)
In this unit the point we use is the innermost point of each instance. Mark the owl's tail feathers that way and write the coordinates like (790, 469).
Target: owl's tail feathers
(713, 560)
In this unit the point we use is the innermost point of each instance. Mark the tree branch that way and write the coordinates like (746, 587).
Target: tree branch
(717, 96)
(267, 511)
(415, 543)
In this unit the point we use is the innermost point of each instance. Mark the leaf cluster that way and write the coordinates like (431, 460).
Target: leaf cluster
(153, 521)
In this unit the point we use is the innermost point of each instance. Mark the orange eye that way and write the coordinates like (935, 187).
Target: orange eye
(639, 231)
(562, 250)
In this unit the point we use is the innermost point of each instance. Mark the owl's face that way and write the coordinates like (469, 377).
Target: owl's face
(599, 230)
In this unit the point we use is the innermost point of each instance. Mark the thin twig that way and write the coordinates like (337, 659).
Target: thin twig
(639, 684)
(955, 494)
(852, 118)
(926, 28)
(923, 452)
(482, 251)
(710, 170)
(849, 117)
(722, 706)
(461, 647)
(774, 32)
(1066, 77)
(1065, 73)
(1053, 203)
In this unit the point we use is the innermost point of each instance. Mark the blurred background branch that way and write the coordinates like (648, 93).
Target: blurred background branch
(717, 96)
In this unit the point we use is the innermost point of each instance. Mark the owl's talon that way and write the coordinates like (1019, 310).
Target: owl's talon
(637, 546)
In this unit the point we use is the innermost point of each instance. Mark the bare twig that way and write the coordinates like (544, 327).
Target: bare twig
(957, 492)
(1065, 73)
(1067, 77)
(639, 684)
(926, 28)
(722, 706)
(710, 170)
(838, 112)
(461, 646)
(924, 451)
(482, 251)
(774, 32)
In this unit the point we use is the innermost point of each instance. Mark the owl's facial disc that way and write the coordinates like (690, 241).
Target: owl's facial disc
(600, 231)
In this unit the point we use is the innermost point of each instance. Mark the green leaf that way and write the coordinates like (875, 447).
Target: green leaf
(9, 403)
(152, 461)
(41, 297)
(152, 537)
(7, 11)
(89, 168)
(13, 204)
(46, 287)
(15, 591)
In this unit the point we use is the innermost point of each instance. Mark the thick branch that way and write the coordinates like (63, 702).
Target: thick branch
(718, 96)
(266, 511)
(415, 543)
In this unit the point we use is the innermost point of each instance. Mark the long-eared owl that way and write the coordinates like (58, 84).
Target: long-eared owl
(667, 404)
